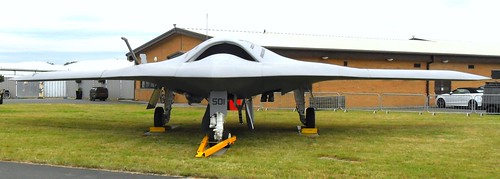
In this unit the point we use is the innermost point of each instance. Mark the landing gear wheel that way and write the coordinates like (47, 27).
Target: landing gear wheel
(158, 117)
(310, 118)
(211, 138)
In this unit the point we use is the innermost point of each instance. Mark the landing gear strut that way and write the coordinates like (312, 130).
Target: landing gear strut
(162, 114)
(306, 116)
(248, 105)
(213, 125)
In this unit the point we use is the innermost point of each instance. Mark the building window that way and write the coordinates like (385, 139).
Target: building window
(345, 63)
(417, 65)
(442, 86)
(470, 66)
(147, 85)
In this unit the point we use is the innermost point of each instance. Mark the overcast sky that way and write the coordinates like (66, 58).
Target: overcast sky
(62, 31)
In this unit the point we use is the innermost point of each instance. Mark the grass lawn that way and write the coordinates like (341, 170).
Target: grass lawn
(353, 144)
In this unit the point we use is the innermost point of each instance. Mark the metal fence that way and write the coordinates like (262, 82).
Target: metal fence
(326, 101)
(397, 102)
(491, 103)
(403, 102)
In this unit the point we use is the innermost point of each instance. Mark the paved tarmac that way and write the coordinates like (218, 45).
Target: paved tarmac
(86, 101)
(72, 101)
(25, 170)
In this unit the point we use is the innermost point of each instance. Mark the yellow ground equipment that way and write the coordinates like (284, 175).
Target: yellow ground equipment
(157, 129)
(204, 152)
(308, 131)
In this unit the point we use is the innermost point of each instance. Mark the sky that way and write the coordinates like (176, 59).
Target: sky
(60, 31)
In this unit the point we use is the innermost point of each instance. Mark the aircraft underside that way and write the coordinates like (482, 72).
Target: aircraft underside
(212, 122)
(240, 87)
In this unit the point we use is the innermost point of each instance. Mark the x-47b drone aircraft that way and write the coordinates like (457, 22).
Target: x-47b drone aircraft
(223, 68)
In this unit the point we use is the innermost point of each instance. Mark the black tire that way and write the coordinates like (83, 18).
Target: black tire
(441, 103)
(226, 135)
(473, 105)
(158, 117)
(103, 99)
(205, 121)
(310, 118)
(211, 138)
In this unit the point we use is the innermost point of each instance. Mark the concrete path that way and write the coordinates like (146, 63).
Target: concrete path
(25, 170)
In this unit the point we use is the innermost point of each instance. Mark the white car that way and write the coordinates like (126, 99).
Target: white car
(461, 97)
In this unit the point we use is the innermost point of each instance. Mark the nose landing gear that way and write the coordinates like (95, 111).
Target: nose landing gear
(216, 139)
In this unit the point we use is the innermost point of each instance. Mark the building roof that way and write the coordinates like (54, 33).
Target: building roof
(166, 35)
(337, 43)
(28, 68)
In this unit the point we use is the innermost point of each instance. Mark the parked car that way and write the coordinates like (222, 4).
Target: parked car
(491, 97)
(100, 93)
(461, 97)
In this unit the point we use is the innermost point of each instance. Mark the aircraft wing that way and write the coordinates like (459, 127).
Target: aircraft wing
(334, 72)
(211, 67)
(229, 69)
(138, 72)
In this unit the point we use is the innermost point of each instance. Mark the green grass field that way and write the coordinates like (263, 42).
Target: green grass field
(353, 144)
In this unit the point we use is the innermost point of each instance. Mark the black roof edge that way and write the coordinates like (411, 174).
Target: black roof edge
(382, 51)
(166, 35)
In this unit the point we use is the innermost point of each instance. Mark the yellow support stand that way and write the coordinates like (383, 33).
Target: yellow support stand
(201, 148)
(157, 129)
(308, 131)
(201, 152)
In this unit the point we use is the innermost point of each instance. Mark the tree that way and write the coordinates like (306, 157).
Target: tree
(2, 78)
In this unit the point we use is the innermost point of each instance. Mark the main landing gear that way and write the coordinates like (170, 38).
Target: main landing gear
(162, 114)
(306, 116)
